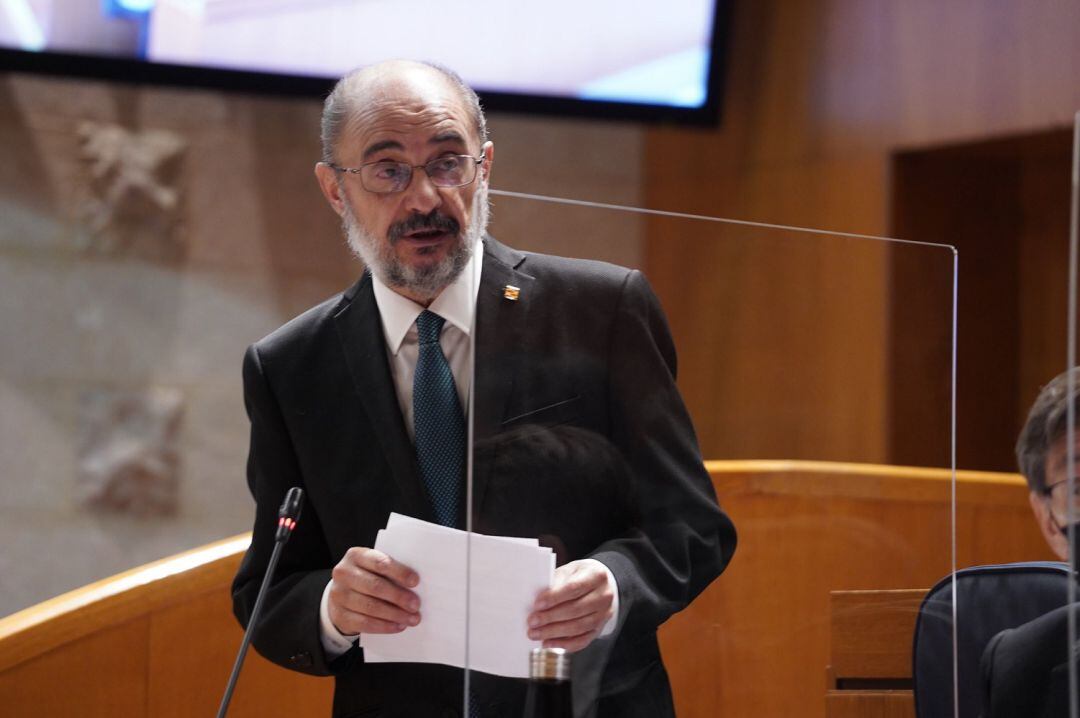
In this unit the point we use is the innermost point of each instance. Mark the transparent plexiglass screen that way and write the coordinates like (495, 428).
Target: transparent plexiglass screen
(1072, 515)
(726, 418)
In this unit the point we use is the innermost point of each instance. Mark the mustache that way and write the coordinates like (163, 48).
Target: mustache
(434, 220)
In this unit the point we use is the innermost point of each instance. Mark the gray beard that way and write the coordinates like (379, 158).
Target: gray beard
(423, 282)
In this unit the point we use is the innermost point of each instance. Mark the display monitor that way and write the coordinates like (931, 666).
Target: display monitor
(608, 58)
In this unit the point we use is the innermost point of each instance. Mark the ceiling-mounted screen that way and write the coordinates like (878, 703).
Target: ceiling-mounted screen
(613, 58)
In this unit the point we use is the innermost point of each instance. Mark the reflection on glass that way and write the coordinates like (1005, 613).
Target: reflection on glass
(583, 440)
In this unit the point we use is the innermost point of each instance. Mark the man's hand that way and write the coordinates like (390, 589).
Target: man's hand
(572, 612)
(369, 594)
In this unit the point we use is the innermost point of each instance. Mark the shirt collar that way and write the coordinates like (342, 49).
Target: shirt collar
(456, 303)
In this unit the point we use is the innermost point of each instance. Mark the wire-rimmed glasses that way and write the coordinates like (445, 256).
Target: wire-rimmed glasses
(388, 177)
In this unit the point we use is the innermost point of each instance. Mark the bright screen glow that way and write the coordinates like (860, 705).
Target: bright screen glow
(608, 50)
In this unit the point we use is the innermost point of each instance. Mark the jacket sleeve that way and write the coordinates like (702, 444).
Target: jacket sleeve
(682, 539)
(288, 629)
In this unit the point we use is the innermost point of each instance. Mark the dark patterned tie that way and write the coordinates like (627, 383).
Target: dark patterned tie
(439, 425)
(438, 422)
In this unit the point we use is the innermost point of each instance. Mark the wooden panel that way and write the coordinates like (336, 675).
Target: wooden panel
(819, 97)
(696, 646)
(101, 675)
(187, 676)
(1043, 301)
(158, 641)
(757, 640)
(1004, 205)
(871, 633)
(63, 620)
(869, 704)
(767, 372)
(966, 202)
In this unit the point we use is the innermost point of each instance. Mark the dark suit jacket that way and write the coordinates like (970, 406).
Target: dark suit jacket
(579, 368)
(1026, 669)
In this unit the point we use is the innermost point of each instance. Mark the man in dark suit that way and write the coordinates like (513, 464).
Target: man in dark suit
(1025, 669)
(580, 433)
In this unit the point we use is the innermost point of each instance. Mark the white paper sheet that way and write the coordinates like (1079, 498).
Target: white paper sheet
(506, 574)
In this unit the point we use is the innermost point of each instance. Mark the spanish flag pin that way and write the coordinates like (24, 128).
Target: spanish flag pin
(511, 292)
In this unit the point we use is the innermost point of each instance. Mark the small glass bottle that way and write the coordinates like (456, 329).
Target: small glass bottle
(548, 694)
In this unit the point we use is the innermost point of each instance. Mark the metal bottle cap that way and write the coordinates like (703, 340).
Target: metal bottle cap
(549, 664)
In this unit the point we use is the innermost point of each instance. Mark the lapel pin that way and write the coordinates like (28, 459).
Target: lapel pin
(511, 292)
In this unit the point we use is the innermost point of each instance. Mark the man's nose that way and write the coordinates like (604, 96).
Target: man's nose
(422, 195)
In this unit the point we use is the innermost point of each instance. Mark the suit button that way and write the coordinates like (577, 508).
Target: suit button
(301, 660)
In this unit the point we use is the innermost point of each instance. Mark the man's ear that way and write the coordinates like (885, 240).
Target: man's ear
(1050, 531)
(488, 151)
(331, 188)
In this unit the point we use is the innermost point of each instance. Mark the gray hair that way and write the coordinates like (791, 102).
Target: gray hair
(1047, 422)
(341, 102)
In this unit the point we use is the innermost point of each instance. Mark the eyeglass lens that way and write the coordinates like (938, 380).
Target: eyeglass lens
(385, 177)
(1060, 497)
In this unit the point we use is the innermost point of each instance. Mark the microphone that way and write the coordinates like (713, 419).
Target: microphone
(289, 513)
(287, 517)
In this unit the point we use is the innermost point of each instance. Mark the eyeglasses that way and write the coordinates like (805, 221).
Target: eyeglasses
(1058, 495)
(1060, 488)
(387, 177)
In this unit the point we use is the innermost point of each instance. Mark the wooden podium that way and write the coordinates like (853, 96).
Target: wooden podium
(158, 641)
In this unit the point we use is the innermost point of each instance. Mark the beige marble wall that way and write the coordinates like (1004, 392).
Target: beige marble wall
(121, 349)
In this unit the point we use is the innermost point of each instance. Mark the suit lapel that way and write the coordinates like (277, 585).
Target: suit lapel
(499, 329)
(500, 324)
(360, 331)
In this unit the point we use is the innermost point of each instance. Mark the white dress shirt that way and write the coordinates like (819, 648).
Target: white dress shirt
(456, 304)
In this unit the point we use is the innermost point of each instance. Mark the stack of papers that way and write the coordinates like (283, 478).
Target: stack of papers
(504, 577)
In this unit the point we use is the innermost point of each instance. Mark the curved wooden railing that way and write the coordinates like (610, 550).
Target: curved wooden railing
(159, 640)
(155, 641)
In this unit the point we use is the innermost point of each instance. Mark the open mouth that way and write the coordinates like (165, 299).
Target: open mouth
(424, 230)
(424, 235)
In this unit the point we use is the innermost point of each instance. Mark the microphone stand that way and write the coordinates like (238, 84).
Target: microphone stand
(287, 516)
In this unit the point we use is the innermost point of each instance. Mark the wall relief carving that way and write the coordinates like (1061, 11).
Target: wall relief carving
(130, 204)
(129, 460)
